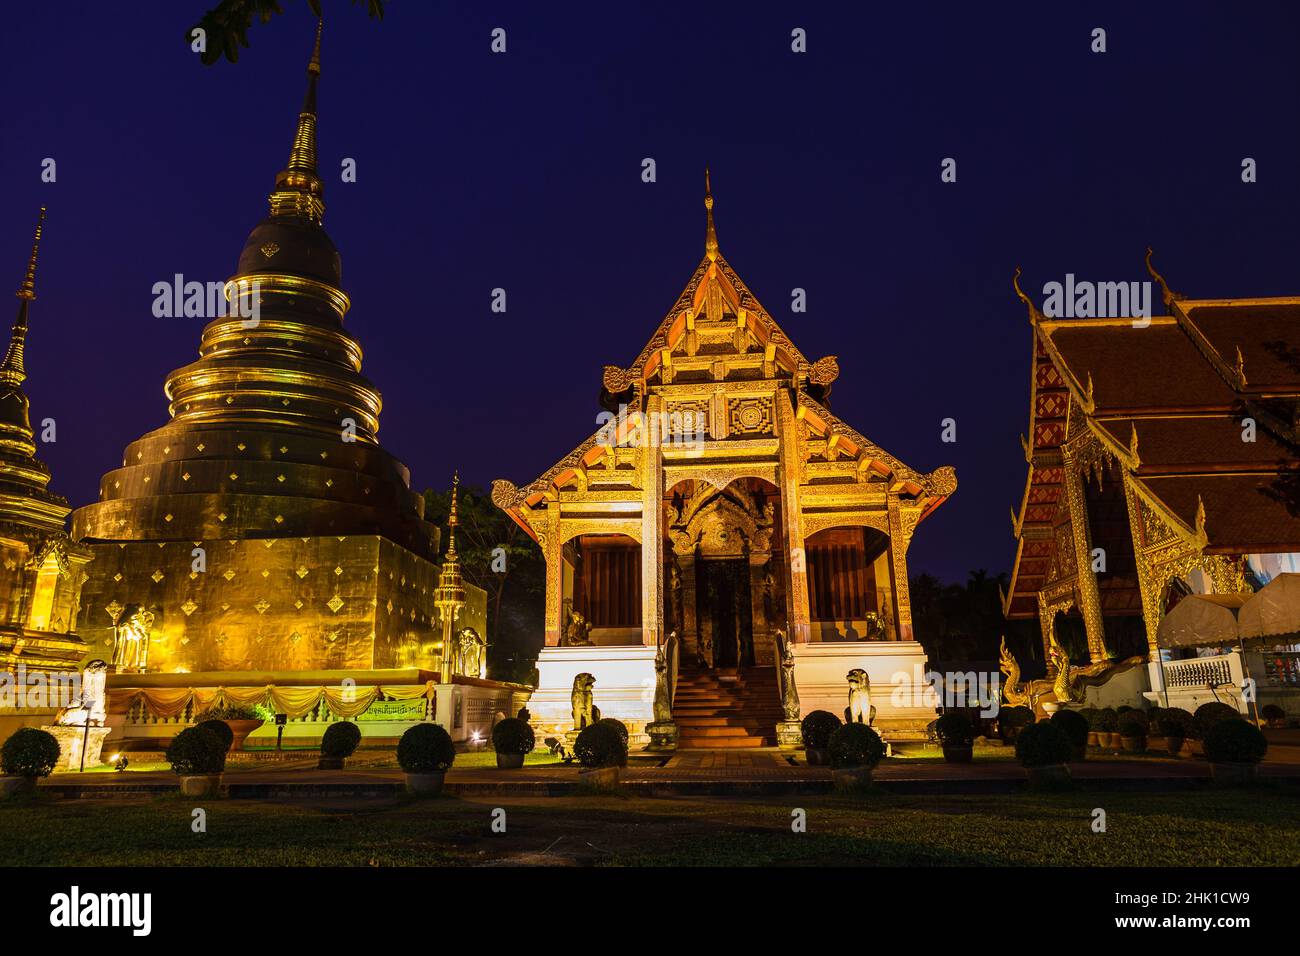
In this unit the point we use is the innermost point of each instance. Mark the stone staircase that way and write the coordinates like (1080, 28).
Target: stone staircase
(717, 714)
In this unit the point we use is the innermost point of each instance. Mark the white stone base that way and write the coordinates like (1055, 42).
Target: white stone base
(70, 742)
(625, 687)
(903, 703)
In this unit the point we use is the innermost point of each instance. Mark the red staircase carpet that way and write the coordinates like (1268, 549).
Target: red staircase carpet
(713, 714)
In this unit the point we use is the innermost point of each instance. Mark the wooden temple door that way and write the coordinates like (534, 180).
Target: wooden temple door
(726, 609)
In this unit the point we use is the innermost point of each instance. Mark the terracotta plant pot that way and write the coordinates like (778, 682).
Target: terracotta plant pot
(1051, 775)
(817, 757)
(424, 784)
(850, 779)
(1174, 746)
(599, 779)
(958, 753)
(1234, 774)
(509, 761)
(330, 763)
(12, 786)
(1134, 745)
(201, 785)
(241, 729)
(1111, 741)
(1092, 739)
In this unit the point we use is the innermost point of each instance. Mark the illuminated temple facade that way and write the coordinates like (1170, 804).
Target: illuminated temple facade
(1161, 462)
(719, 501)
(263, 531)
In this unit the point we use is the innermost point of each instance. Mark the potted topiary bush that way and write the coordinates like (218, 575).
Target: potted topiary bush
(198, 757)
(1107, 728)
(601, 752)
(512, 739)
(816, 729)
(1075, 726)
(337, 744)
(1012, 720)
(1044, 750)
(1207, 715)
(1089, 714)
(1174, 724)
(1274, 716)
(241, 720)
(1234, 749)
(1133, 731)
(956, 735)
(619, 728)
(425, 752)
(222, 730)
(855, 749)
(30, 753)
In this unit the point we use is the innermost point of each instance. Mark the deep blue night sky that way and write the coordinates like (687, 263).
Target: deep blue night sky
(523, 171)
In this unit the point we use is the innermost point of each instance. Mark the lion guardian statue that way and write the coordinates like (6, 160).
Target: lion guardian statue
(585, 711)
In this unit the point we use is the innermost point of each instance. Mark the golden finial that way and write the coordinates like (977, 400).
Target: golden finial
(1241, 365)
(314, 66)
(451, 518)
(1034, 315)
(1167, 295)
(28, 289)
(1133, 441)
(710, 233)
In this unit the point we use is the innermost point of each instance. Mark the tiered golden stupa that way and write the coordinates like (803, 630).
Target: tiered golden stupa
(264, 527)
(41, 570)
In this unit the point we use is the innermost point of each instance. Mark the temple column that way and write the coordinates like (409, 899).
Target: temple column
(796, 593)
(553, 550)
(652, 526)
(759, 633)
(1086, 580)
(900, 536)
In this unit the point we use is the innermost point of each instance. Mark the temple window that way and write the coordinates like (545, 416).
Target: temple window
(848, 584)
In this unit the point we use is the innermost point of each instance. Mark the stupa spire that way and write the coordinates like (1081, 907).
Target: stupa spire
(298, 190)
(710, 233)
(12, 369)
(451, 518)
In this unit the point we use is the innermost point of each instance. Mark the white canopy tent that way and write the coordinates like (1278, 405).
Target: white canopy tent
(1272, 615)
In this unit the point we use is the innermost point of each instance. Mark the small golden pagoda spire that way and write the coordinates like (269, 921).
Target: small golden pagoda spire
(12, 369)
(298, 190)
(710, 233)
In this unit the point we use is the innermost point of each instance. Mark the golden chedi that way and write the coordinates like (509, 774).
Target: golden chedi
(41, 570)
(264, 527)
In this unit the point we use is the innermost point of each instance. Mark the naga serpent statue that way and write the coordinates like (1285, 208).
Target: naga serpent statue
(1068, 686)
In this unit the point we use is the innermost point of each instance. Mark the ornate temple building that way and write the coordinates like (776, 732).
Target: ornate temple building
(43, 570)
(263, 535)
(1161, 462)
(719, 502)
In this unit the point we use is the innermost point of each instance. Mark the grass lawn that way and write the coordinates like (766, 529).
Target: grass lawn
(1207, 828)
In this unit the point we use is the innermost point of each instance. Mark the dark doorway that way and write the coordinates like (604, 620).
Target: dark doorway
(723, 592)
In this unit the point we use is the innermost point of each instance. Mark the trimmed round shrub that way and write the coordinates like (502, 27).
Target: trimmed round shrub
(1235, 741)
(1207, 715)
(954, 727)
(1014, 718)
(1090, 715)
(855, 745)
(227, 712)
(222, 730)
(340, 740)
(1074, 724)
(1273, 712)
(196, 751)
(817, 728)
(1174, 722)
(513, 736)
(426, 748)
(1131, 725)
(618, 726)
(600, 745)
(1107, 720)
(1124, 708)
(1043, 744)
(30, 752)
